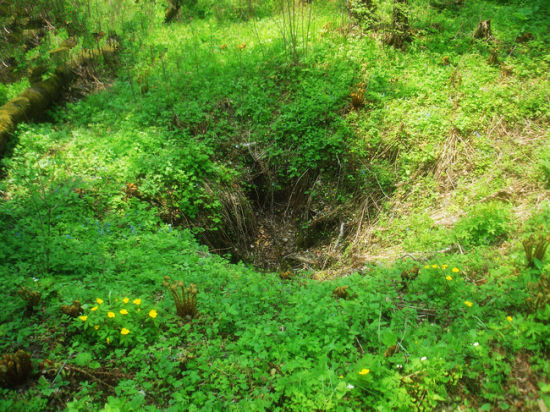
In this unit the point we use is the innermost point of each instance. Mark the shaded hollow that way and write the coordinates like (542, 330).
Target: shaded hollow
(298, 226)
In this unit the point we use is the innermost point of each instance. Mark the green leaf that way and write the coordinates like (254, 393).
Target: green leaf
(83, 358)
(388, 338)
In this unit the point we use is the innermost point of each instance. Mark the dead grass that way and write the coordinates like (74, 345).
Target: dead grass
(515, 163)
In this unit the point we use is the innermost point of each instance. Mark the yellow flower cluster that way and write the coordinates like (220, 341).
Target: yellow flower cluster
(434, 266)
(111, 314)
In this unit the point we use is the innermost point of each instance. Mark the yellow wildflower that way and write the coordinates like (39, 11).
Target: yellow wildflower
(94, 309)
(153, 313)
(448, 277)
(456, 270)
(341, 377)
(83, 318)
(99, 301)
(124, 331)
(509, 318)
(123, 312)
(364, 371)
(96, 327)
(126, 300)
(468, 303)
(136, 301)
(444, 267)
(111, 314)
(434, 266)
(108, 340)
(427, 267)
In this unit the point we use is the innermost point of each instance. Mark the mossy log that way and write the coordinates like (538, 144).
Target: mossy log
(35, 100)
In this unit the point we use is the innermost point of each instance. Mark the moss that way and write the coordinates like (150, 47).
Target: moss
(37, 101)
(59, 54)
(16, 109)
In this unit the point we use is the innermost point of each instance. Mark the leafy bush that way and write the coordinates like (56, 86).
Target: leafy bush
(10, 91)
(487, 224)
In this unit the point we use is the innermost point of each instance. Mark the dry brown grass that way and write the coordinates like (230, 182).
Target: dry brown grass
(515, 163)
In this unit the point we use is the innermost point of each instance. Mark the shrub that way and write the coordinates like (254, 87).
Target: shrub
(487, 224)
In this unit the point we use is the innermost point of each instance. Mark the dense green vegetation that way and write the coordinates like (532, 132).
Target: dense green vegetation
(357, 207)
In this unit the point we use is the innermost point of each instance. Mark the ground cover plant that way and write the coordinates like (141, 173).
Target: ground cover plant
(280, 205)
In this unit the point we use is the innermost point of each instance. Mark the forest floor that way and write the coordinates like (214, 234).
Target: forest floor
(249, 212)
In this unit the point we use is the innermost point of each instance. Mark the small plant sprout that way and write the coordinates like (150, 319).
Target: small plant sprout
(73, 310)
(185, 298)
(358, 95)
(14, 368)
(535, 249)
(31, 297)
(341, 292)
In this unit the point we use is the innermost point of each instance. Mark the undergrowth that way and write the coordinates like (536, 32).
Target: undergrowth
(229, 114)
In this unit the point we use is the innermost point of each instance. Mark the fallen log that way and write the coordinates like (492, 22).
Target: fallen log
(33, 101)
